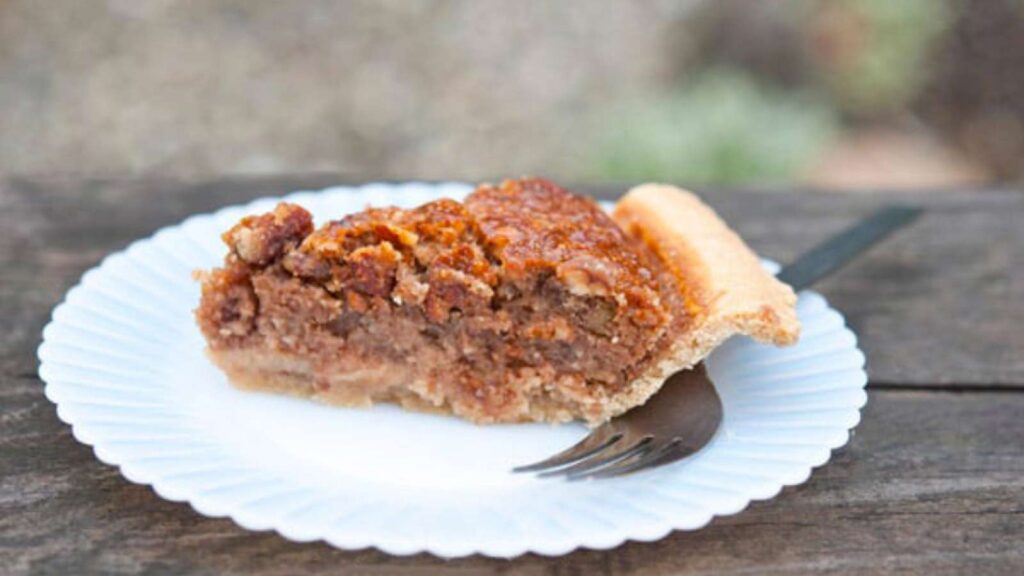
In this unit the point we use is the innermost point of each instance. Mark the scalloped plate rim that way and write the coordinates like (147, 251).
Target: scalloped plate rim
(604, 541)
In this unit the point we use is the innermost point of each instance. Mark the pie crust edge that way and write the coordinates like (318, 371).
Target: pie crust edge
(727, 289)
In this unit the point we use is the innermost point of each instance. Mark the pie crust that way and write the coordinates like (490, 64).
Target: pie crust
(726, 288)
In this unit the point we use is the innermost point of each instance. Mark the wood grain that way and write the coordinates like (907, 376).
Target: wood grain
(932, 483)
(937, 305)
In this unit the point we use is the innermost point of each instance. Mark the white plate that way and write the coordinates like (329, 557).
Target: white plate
(124, 363)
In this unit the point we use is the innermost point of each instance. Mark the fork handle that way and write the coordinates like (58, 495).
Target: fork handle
(837, 251)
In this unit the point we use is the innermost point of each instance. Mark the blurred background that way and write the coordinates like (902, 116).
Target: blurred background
(836, 94)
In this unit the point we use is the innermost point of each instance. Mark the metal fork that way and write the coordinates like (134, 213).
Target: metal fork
(684, 415)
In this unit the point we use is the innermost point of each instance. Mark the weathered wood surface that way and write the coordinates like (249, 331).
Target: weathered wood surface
(933, 482)
(941, 304)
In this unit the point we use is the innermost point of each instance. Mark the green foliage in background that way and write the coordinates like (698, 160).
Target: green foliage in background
(886, 63)
(722, 128)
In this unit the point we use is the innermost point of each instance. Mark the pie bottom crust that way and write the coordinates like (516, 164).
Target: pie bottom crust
(258, 369)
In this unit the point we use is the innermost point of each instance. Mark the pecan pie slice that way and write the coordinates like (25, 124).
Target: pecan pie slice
(524, 302)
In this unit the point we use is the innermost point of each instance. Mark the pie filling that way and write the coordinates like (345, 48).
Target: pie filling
(525, 302)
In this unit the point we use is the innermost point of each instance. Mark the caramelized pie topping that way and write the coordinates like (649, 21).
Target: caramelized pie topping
(524, 302)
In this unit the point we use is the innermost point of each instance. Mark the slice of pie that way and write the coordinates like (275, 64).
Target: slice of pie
(524, 302)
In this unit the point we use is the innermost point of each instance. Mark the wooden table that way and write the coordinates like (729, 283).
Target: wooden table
(932, 482)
